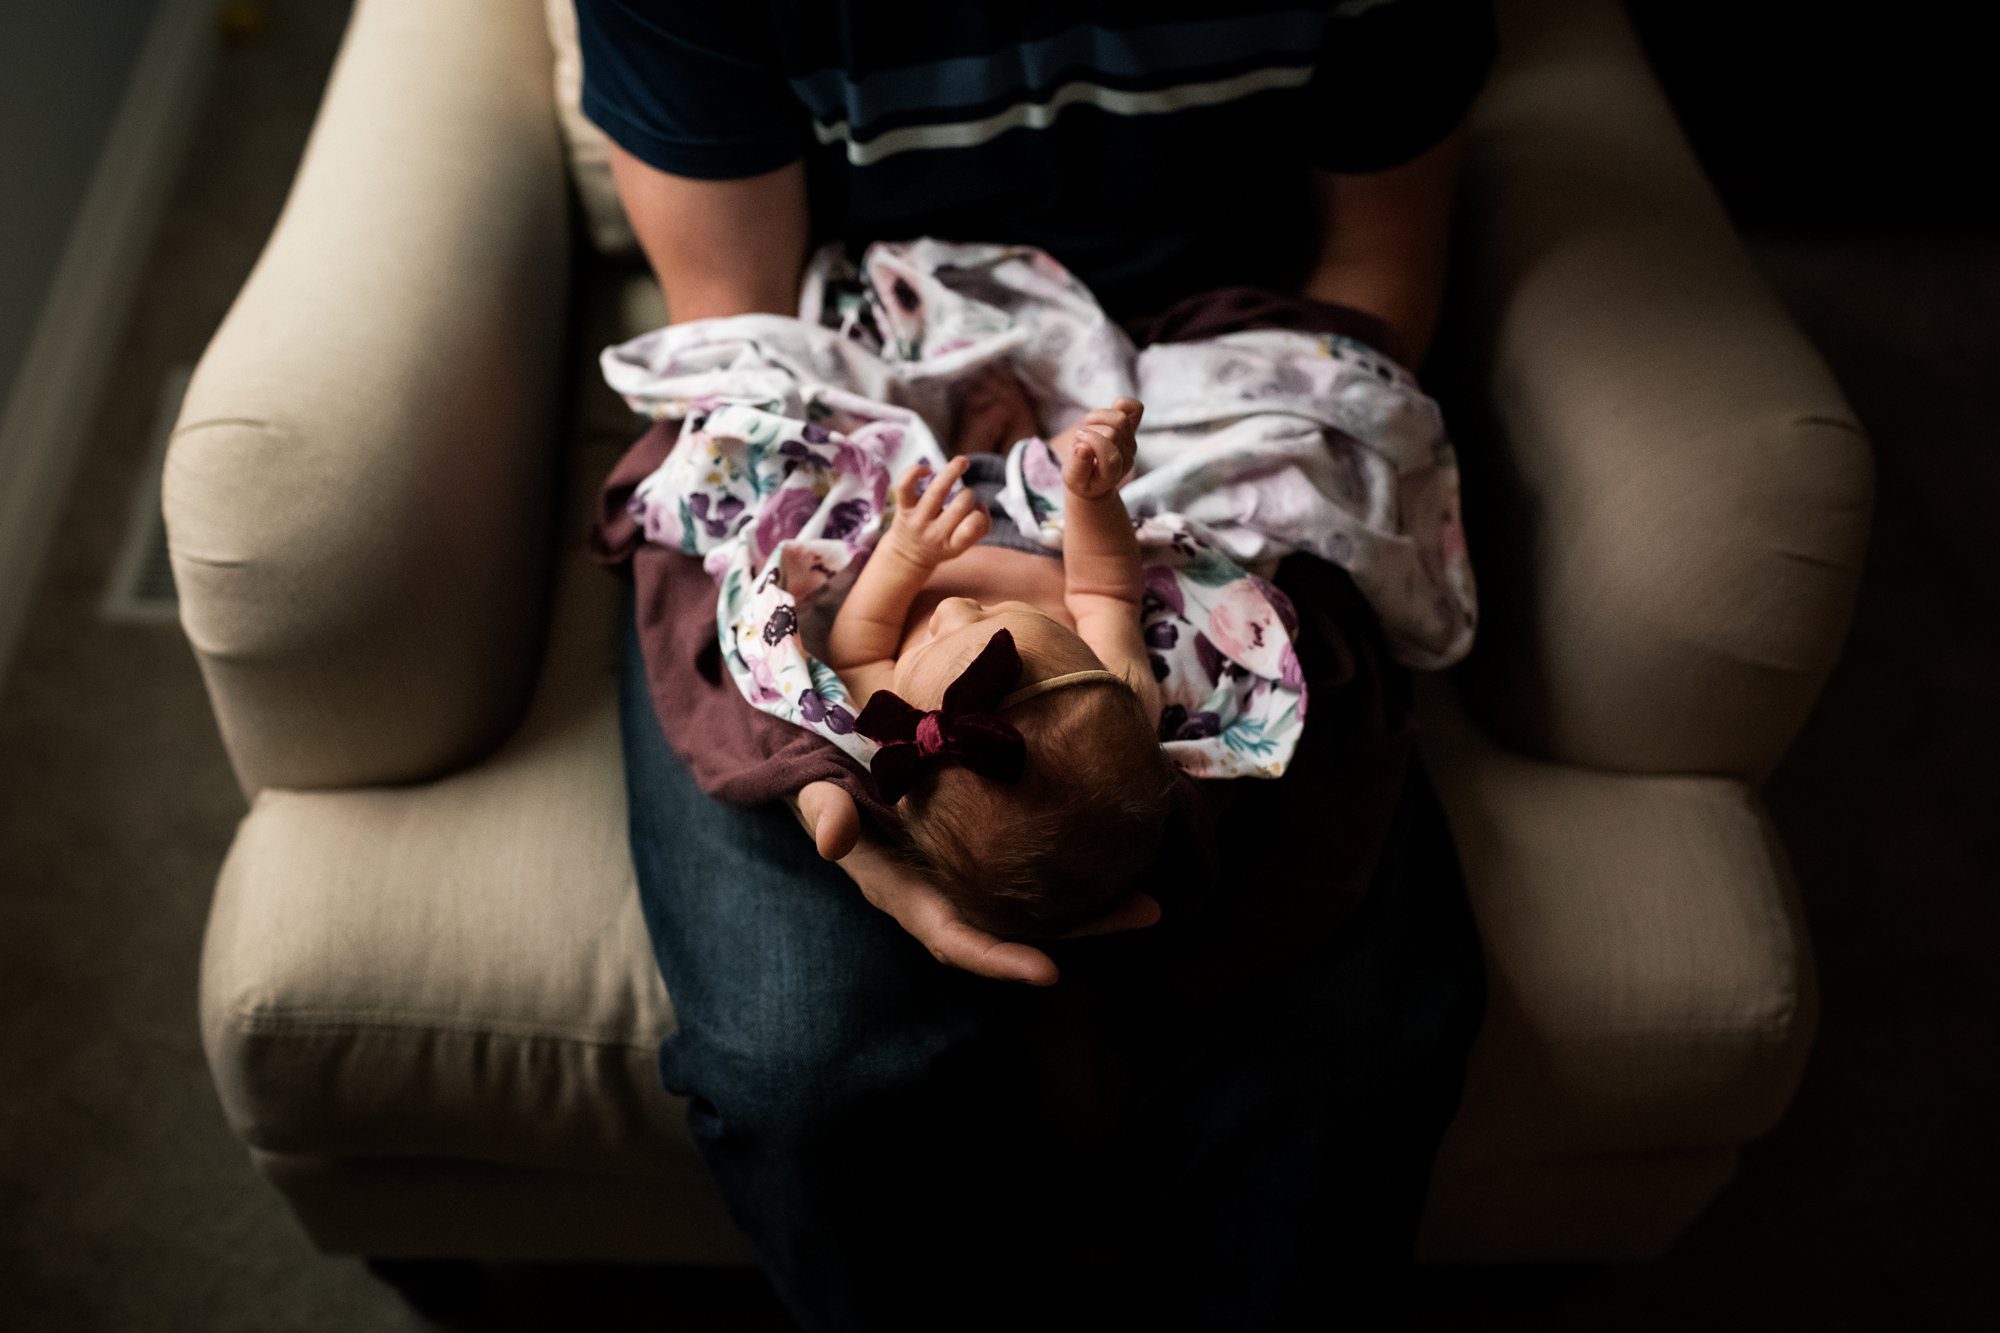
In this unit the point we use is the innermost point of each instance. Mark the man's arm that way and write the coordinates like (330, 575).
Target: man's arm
(719, 247)
(1383, 241)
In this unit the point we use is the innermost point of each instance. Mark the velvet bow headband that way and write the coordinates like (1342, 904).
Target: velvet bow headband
(965, 729)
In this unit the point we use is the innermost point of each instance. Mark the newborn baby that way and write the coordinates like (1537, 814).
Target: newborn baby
(1042, 661)
(1012, 692)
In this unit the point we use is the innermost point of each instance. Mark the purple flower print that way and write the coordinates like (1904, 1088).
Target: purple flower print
(1164, 590)
(1177, 724)
(1288, 615)
(848, 459)
(845, 519)
(1289, 673)
(1161, 635)
(784, 514)
(814, 708)
(784, 620)
(816, 433)
(716, 524)
(1210, 659)
(1240, 621)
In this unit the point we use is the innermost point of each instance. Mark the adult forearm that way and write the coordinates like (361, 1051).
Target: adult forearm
(1384, 237)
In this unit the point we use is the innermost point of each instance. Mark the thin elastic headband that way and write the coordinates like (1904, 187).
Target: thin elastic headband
(1057, 682)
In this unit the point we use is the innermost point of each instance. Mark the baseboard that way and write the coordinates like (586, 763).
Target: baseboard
(61, 381)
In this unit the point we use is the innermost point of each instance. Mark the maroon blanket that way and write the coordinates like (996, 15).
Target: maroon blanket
(1258, 867)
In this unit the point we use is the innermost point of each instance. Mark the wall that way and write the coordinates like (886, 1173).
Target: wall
(64, 67)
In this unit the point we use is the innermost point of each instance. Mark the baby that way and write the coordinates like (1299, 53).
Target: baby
(1011, 691)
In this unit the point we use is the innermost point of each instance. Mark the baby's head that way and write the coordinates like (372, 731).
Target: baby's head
(1038, 856)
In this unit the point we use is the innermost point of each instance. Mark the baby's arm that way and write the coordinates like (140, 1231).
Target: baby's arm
(924, 533)
(1102, 582)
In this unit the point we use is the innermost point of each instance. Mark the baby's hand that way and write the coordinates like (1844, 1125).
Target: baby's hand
(1097, 452)
(925, 530)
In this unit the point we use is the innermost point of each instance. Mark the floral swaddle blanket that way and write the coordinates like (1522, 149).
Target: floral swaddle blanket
(1254, 445)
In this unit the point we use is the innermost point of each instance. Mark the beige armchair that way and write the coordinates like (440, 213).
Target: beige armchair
(427, 996)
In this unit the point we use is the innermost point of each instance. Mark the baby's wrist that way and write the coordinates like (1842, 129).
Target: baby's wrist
(903, 555)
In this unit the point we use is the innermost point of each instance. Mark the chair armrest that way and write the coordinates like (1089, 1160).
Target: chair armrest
(359, 494)
(1670, 519)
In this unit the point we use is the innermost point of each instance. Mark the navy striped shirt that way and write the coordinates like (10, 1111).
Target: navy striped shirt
(1157, 148)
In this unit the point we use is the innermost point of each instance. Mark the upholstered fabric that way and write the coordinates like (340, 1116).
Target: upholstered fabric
(371, 432)
(1650, 984)
(589, 150)
(1668, 502)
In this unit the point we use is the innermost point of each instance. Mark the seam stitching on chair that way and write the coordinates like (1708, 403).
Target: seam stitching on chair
(265, 1023)
(1779, 1031)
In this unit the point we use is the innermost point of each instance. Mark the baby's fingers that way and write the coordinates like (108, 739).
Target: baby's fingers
(934, 494)
(905, 490)
(962, 504)
(968, 532)
(1084, 469)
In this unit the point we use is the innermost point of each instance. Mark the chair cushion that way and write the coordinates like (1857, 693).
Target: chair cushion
(1649, 976)
(459, 968)
(589, 150)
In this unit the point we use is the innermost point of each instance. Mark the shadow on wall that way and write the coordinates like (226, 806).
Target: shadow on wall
(1830, 116)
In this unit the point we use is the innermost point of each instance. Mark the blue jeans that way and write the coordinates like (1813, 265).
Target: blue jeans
(909, 1146)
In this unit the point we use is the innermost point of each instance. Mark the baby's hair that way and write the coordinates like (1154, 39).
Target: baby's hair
(1035, 858)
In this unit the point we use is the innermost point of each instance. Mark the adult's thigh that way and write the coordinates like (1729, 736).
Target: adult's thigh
(1291, 1131)
(781, 974)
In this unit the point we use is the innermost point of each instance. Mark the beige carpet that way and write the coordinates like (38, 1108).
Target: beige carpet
(125, 1204)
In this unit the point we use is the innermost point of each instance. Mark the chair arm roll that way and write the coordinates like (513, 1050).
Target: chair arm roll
(1671, 497)
(359, 492)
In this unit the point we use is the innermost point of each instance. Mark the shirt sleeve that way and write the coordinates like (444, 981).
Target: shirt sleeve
(1394, 77)
(693, 87)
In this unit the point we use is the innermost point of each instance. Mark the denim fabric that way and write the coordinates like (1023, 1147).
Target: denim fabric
(908, 1146)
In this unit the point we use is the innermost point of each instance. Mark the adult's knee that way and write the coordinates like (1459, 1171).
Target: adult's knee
(783, 1073)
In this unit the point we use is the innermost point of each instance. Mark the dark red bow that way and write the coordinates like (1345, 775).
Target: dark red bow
(966, 729)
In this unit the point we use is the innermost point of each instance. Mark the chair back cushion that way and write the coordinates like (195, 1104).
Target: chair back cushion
(589, 150)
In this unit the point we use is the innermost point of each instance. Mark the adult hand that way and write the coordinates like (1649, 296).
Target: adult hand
(829, 815)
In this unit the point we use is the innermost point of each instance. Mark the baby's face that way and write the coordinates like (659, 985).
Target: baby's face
(959, 628)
